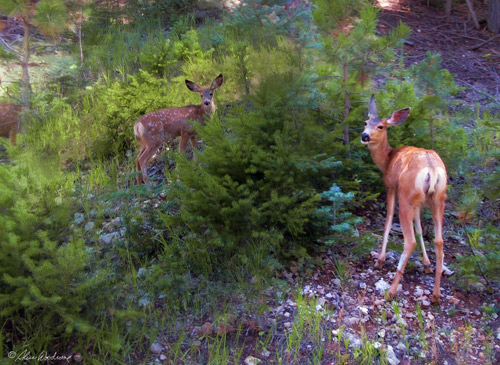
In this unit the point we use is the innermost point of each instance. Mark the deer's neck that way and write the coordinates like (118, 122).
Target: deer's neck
(207, 110)
(380, 153)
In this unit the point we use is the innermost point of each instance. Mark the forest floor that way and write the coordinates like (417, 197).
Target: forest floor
(476, 68)
(347, 295)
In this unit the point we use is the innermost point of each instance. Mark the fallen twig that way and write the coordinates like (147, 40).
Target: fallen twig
(488, 95)
(485, 42)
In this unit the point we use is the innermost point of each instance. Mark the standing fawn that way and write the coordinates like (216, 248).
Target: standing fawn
(154, 128)
(418, 177)
(9, 119)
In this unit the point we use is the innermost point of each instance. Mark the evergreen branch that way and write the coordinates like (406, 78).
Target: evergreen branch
(7, 91)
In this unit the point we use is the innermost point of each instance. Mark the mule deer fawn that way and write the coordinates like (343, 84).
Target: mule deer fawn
(152, 129)
(418, 177)
(9, 119)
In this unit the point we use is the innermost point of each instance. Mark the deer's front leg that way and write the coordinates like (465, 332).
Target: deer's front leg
(391, 204)
(183, 142)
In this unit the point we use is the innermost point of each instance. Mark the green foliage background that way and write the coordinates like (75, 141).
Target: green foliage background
(274, 184)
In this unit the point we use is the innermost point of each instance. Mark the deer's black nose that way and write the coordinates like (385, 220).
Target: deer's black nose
(207, 102)
(365, 137)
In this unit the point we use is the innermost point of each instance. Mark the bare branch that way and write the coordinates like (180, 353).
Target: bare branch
(485, 42)
(10, 49)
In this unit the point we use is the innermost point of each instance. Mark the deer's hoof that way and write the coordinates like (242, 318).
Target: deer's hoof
(390, 295)
(435, 299)
(428, 269)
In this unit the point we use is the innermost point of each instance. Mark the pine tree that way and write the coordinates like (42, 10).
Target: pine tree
(260, 177)
(48, 16)
(351, 45)
(41, 280)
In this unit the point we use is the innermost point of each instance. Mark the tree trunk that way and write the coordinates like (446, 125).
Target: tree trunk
(347, 105)
(494, 16)
(472, 13)
(80, 43)
(25, 84)
(25, 80)
(448, 8)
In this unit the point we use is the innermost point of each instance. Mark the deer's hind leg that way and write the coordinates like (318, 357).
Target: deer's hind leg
(418, 230)
(406, 215)
(437, 208)
(13, 135)
(194, 146)
(142, 161)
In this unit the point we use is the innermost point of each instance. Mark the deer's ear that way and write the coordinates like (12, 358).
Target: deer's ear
(217, 82)
(399, 116)
(192, 86)
(372, 107)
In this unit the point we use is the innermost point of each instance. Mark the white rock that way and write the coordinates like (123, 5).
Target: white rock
(382, 285)
(89, 226)
(354, 341)
(79, 218)
(418, 292)
(391, 356)
(109, 237)
(363, 309)
(401, 322)
(250, 360)
(401, 346)
(156, 348)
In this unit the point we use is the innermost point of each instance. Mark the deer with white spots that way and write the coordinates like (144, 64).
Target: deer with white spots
(153, 129)
(418, 177)
(9, 120)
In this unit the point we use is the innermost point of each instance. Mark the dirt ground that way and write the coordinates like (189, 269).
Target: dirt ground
(478, 69)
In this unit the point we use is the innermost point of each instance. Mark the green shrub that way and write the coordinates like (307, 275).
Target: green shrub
(259, 177)
(42, 278)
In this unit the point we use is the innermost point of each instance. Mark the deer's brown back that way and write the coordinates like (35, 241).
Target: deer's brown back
(167, 123)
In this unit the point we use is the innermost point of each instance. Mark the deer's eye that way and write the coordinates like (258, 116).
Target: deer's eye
(380, 127)
(366, 124)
